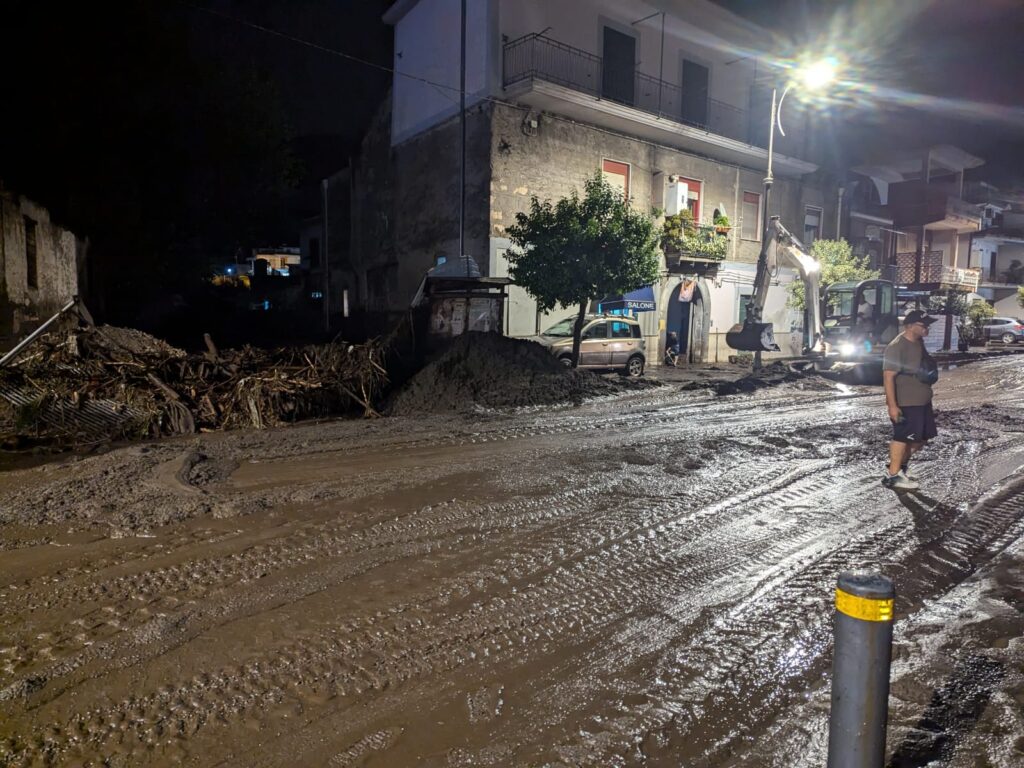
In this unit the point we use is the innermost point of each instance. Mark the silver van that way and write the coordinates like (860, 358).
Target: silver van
(608, 341)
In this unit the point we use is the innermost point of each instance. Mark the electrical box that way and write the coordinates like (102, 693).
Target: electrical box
(677, 197)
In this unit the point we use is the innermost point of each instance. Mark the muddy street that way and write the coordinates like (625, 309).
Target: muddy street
(641, 580)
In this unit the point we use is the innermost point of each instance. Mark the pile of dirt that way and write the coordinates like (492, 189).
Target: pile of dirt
(769, 376)
(492, 371)
(84, 384)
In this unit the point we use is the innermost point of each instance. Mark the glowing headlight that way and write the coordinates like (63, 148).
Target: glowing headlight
(847, 349)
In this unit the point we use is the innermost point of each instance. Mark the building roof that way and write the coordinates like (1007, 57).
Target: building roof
(903, 165)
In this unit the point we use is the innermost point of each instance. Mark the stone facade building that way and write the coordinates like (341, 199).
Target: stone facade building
(40, 266)
(652, 93)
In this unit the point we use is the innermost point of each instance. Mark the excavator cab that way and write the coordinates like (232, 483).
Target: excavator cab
(859, 318)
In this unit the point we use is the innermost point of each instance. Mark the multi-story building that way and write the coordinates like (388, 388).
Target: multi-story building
(661, 96)
(924, 224)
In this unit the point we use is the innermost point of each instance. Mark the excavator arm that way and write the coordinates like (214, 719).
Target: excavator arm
(754, 335)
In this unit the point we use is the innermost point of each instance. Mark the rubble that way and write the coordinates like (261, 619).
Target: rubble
(492, 371)
(95, 383)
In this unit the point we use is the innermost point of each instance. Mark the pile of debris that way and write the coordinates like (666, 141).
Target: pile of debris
(771, 375)
(95, 383)
(487, 370)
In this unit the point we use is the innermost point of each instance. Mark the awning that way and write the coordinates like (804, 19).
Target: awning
(640, 300)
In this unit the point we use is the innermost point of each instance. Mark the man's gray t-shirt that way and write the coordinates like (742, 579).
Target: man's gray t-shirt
(904, 356)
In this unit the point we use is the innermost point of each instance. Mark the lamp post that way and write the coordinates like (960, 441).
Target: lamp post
(813, 77)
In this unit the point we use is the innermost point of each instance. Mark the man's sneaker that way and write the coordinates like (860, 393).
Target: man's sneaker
(899, 482)
(909, 475)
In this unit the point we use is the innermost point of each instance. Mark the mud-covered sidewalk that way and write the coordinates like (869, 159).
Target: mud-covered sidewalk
(644, 578)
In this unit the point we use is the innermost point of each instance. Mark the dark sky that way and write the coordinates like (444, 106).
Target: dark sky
(945, 71)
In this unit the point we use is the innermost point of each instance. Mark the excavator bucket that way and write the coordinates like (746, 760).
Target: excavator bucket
(752, 337)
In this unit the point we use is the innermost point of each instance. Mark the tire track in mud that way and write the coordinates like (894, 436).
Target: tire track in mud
(754, 660)
(544, 611)
(160, 591)
(609, 572)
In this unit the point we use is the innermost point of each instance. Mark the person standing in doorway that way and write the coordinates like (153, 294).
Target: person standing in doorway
(908, 397)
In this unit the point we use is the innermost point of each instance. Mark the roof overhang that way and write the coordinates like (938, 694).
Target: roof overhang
(397, 10)
(607, 114)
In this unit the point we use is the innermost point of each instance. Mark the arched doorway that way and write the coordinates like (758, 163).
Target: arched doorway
(688, 316)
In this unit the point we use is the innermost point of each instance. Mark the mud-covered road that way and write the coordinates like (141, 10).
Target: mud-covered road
(640, 581)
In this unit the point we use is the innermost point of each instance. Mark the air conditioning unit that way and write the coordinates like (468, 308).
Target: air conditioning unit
(677, 197)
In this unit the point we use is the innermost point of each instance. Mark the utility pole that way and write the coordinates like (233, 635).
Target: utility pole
(325, 264)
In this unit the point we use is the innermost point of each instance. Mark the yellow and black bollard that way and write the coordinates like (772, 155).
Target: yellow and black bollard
(860, 670)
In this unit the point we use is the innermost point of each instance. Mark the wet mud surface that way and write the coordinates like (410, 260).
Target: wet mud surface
(643, 580)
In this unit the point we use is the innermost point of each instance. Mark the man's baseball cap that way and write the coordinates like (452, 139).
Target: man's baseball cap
(917, 316)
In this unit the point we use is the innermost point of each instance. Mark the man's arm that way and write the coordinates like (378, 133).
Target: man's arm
(889, 382)
(892, 364)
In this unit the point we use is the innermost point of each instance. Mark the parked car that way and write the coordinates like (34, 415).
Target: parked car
(1008, 330)
(608, 341)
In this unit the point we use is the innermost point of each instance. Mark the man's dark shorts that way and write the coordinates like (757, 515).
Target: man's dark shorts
(917, 426)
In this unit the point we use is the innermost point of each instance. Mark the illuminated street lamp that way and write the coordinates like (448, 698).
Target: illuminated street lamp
(812, 76)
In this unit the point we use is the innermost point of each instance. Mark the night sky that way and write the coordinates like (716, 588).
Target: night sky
(175, 133)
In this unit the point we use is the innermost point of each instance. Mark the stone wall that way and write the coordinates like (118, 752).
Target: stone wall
(60, 256)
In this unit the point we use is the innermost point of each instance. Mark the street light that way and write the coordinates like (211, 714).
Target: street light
(813, 76)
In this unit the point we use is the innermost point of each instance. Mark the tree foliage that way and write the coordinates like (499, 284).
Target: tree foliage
(838, 265)
(978, 311)
(1020, 295)
(579, 250)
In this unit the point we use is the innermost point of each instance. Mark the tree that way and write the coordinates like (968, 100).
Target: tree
(580, 249)
(1020, 295)
(978, 311)
(838, 265)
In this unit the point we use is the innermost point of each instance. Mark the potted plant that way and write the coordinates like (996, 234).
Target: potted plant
(722, 224)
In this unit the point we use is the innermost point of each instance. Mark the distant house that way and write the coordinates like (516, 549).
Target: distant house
(41, 265)
(279, 260)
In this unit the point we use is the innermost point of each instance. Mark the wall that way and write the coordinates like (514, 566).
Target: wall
(427, 48)
(550, 161)
(59, 257)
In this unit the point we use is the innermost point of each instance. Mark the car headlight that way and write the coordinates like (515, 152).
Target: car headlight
(847, 349)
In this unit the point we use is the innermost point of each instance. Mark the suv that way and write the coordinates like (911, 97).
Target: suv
(1006, 329)
(608, 341)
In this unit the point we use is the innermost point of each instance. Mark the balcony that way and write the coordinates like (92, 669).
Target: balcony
(933, 205)
(934, 274)
(558, 77)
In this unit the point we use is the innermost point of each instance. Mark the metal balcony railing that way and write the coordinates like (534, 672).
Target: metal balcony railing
(934, 272)
(536, 57)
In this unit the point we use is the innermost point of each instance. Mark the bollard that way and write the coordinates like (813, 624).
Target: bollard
(860, 670)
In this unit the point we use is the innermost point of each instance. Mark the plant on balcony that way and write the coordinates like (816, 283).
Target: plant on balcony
(722, 224)
(680, 235)
(579, 250)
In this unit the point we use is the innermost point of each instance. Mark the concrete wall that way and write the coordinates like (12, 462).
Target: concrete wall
(555, 158)
(428, 48)
(59, 258)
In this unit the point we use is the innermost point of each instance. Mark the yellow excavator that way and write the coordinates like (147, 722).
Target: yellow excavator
(847, 327)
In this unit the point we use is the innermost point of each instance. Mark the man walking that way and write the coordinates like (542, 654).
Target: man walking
(908, 397)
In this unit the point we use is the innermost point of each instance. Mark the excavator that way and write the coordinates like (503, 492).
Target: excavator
(847, 328)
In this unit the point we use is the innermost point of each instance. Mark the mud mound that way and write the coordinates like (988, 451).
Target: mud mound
(769, 376)
(492, 371)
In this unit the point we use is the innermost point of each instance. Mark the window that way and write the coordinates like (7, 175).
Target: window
(743, 298)
(750, 216)
(31, 263)
(693, 197)
(617, 174)
(620, 330)
(596, 331)
(812, 224)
